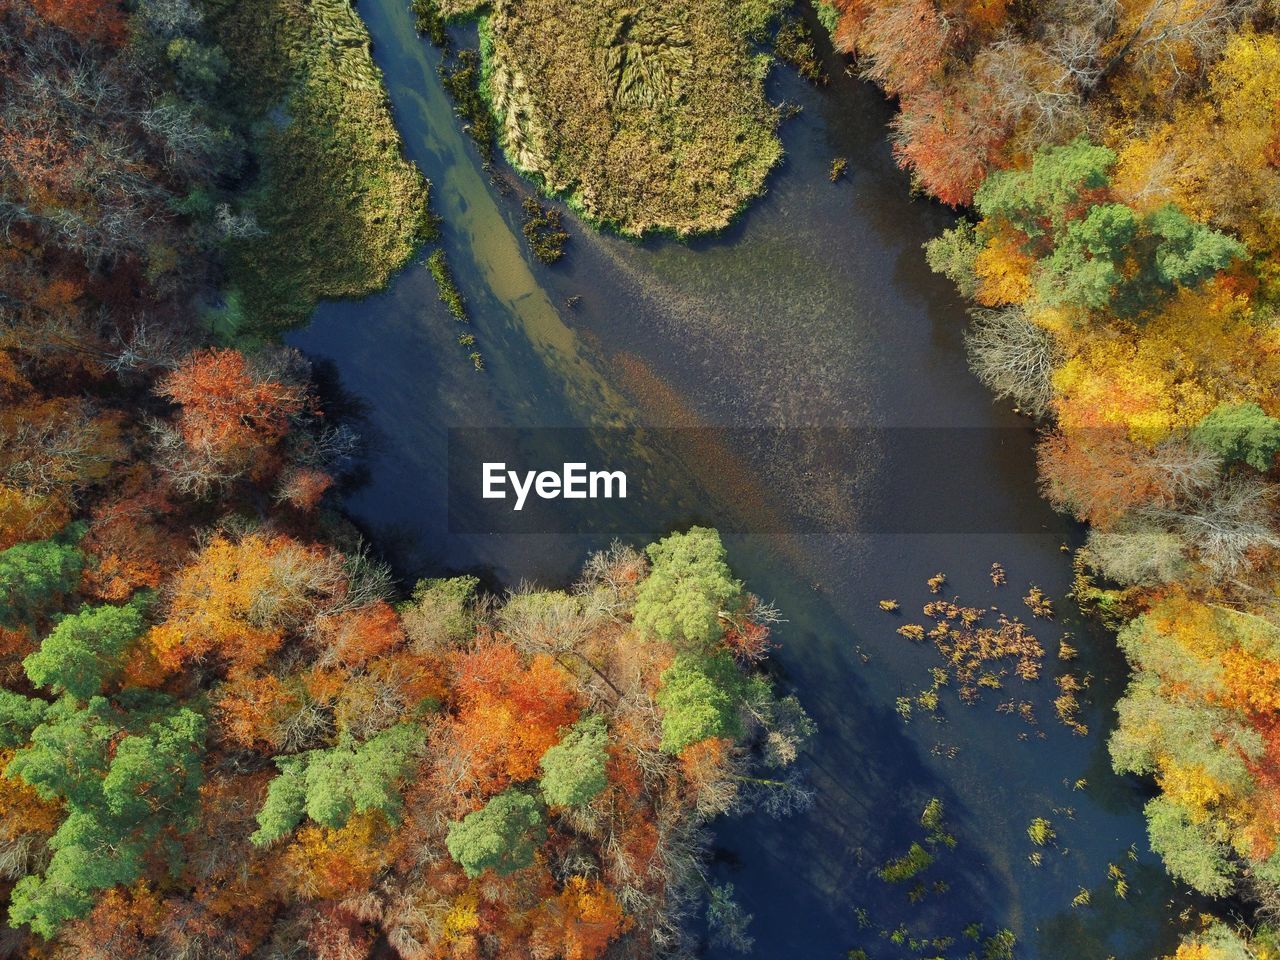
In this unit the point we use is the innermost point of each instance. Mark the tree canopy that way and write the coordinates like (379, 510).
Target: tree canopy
(573, 771)
(687, 591)
(501, 836)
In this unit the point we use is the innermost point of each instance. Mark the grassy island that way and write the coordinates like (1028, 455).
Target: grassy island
(337, 206)
(647, 118)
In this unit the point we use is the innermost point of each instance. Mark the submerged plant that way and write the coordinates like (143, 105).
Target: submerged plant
(449, 292)
(901, 869)
(461, 77)
(794, 45)
(429, 22)
(543, 230)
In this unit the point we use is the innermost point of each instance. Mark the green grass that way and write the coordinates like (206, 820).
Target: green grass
(341, 207)
(645, 117)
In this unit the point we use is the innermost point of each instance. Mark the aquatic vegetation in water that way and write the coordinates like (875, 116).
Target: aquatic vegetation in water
(936, 582)
(448, 290)
(932, 820)
(1067, 704)
(999, 946)
(918, 858)
(838, 167)
(997, 574)
(1041, 832)
(452, 297)
(901, 869)
(889, 606)
(543, 230)
(429, 22)
(461, 77)
(1119, 882)
(1038, 602)
(970, 647)
(793, 44)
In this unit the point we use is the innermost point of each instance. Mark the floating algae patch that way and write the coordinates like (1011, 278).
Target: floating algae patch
(647, 117)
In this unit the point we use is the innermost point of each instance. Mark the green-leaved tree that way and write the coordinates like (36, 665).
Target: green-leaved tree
(85, 648)
(1091, 251)
(687, 591)
(332, 784)
(501, 836)
(129, 776)
(34, 577)
(700, 698)
(573, 771)
(1240, 433)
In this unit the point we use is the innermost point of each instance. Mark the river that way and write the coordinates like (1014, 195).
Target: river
(814, 321)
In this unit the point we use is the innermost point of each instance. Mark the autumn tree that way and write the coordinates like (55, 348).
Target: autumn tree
(510, 713)
(579, 922)
(1014, 357)
(230, 420)
(238, 600)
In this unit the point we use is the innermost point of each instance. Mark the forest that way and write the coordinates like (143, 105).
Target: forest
(226, 730)
(1121, 166)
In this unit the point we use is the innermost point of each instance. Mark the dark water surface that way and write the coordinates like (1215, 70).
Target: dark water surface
(816, 310)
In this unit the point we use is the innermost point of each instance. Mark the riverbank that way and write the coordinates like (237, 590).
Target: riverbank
(1122, 257)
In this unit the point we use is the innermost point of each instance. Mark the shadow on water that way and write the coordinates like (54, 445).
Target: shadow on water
(815, 308)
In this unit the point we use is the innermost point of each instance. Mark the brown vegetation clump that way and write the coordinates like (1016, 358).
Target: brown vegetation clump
(974, 651)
